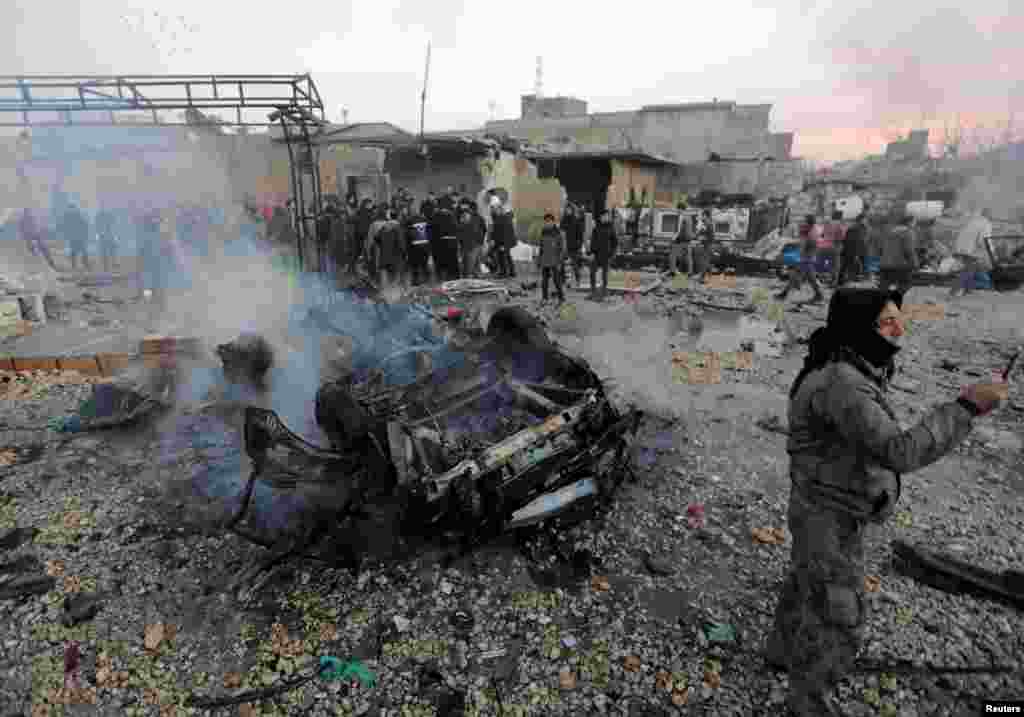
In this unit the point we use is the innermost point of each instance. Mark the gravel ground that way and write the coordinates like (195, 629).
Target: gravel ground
(622, 635)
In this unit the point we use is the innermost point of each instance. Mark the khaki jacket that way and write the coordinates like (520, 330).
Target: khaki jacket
(846, 448)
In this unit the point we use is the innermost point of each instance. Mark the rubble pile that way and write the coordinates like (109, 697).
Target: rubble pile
(115, 571)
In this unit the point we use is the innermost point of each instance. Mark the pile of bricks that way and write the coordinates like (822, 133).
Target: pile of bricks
(106, 364)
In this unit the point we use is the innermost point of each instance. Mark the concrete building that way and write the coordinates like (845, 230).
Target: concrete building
(681, 133)
(913, 148)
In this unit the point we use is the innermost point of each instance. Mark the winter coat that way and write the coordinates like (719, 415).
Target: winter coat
(855, 243)
(444, 224)
(573, 227)
(481, 228)
(390, 246)
(898, 249)
(604, 242)
(504, 230)
(847, 450)
(552, 248)
(469, 235)
(417, 235)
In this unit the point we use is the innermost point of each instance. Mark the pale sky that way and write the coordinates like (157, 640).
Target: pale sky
(844, 76)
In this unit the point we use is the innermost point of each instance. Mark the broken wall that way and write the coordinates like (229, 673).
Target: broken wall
(626, 175)
(762, 179)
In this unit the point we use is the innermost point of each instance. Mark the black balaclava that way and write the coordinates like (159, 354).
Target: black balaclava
(853, 325)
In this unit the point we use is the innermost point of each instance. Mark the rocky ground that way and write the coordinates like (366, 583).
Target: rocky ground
(687, 560)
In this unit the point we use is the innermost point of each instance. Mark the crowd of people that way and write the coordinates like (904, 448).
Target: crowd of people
(900, 243)
(397, 242)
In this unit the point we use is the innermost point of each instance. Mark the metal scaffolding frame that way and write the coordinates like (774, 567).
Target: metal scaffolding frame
(291, 102)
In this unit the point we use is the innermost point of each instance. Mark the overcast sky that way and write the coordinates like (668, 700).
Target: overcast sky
(844, 76)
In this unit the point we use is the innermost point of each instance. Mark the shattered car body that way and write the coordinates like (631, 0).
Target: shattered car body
(516, 434)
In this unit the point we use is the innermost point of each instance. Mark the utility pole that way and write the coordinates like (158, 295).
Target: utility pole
(423, 97)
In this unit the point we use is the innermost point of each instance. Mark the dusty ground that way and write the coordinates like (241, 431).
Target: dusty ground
(116, 520)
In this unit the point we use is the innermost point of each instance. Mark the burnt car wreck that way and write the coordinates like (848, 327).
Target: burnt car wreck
(517, 435)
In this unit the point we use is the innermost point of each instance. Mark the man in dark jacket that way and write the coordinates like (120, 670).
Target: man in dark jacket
(74, 227)
(428, 206)
(847, 455)
(504, 238)
(573, 226)
(444, 244)
(470, 243)
(681, 246)
(417, 236)
(899, 256)
(854, 249)
(603, 245)
(810, 233)
(364, 220)
(390, 251)
(551, 257)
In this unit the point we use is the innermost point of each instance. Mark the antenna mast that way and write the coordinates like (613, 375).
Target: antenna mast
(538, 84)
(423, 97)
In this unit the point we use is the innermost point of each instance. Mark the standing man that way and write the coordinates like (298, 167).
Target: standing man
(363, 221)
(810, 233)
(834, 233)
(106, 232)
(971, 250)
(470, 243)
(603, 245)
(418, 248)
(854, 249)
(391, 251)
(848, 454)
(74, 227)
(702, 252)
(504, 238)
(551, 258)
(899, 256)
(681, 245)
(444, 243)
(34, 234)
(572, 228)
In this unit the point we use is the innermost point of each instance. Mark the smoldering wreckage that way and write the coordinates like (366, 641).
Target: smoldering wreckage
(471, 432)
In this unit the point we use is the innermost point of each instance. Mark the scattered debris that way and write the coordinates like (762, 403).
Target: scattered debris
(769, 536)
(956, 576)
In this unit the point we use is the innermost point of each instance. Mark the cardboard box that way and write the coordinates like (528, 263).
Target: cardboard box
(36, 363)
(87, 365)
(111, 363)
(720, 281)
(924, 312)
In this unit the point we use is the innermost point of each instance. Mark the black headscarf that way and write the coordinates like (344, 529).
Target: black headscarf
(852, 325)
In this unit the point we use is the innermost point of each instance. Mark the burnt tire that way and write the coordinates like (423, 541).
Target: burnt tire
(515, 325)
